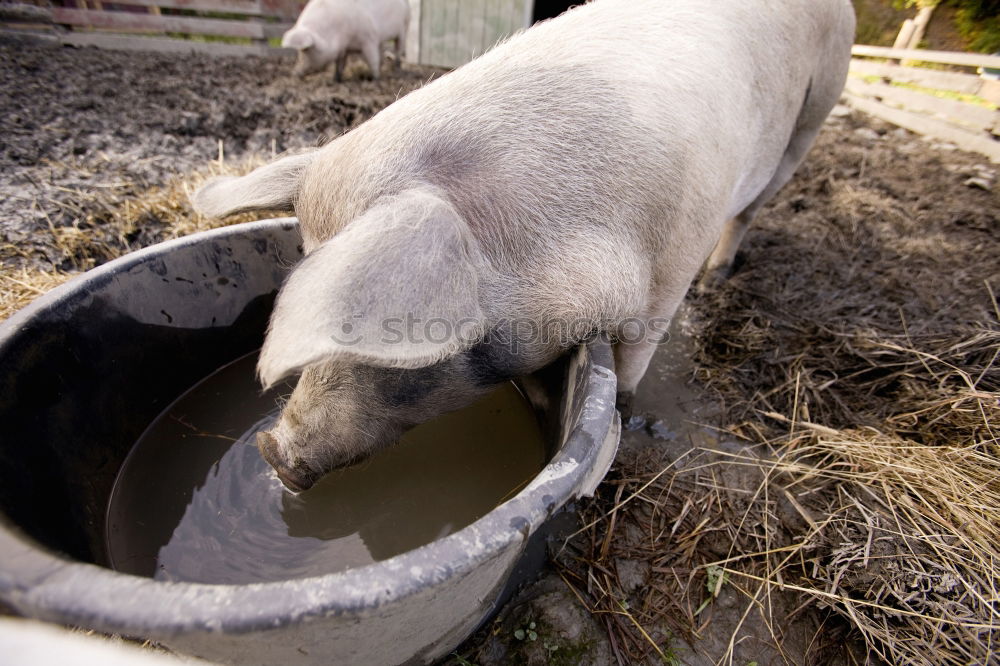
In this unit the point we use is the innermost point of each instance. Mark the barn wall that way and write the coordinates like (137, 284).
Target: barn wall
(452, 32)
(412, 53)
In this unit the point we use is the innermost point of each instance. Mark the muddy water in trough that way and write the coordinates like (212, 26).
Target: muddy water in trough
(195, 502)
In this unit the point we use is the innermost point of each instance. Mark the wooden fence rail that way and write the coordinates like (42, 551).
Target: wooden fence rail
(118, 24)
(953, 106)
(452, 31)
(940, 57)
(116, 21)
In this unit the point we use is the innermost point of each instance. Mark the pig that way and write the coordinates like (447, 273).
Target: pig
(574, 179)
(327, 30)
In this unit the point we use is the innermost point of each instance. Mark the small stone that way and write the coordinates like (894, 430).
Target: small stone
(981, 183)
(634, 422)
(659, 430)
(867, 134)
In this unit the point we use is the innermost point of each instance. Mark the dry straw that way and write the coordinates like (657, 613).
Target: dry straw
(852, 511)
(899, 538)
(895, 527)
(104, 223)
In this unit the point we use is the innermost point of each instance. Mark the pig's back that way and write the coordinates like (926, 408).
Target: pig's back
(624, 132)
(620, 103)
(389, 16)
(327, 17)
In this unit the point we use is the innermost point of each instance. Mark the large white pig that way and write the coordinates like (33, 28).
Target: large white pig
(572, 179)
(327, 30)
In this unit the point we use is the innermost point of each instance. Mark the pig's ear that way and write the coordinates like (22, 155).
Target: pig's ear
(398, 287)
(297, 38)
(270, 187)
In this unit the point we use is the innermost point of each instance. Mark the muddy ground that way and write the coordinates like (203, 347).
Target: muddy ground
(876, 215)
(84, 129)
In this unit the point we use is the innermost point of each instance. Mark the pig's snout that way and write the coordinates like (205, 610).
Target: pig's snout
(292, 478)
(302, 66)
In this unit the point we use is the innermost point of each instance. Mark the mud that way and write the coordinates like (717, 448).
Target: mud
(80, 124)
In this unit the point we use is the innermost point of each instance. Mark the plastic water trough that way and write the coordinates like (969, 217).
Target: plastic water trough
(86, 367)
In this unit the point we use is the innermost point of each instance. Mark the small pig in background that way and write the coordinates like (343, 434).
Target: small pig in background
(574, 179)
(327, 30)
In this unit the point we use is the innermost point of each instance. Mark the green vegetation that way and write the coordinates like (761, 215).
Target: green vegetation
(459, 660)
(878, 22)
(976, 21)
(715, 578)
(209, 39)
(526, 633)
(948, 94)
(943, 94)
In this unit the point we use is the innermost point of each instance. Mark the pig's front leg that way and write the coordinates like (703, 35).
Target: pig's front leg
(631, 361)
(302, 65)
(638, 340)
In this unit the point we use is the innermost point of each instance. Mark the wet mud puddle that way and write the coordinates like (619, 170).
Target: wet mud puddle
(667, 407)
(195, 502)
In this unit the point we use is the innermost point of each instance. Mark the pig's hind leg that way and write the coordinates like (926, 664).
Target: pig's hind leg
(372, 53)
(400, 47)
(821, 94)
(720, 262)
(339, 67)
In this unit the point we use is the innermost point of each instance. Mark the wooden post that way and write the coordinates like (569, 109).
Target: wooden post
(903, 38)
(905, 33)
(920, 23)
(258, 41)
(413, 33)
(920, 26)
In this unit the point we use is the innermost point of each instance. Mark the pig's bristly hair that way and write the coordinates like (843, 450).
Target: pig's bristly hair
(595, 158)
(408, 258)
(270, 187)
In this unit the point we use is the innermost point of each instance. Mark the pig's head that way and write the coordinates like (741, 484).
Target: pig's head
(380, 321)
(341, 412)
(384, 322)
(311, 56)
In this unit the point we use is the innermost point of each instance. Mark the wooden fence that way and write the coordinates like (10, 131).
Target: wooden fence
(959, 107)
(453, 32)
(952, 105)
(445, 33)
(230, 26)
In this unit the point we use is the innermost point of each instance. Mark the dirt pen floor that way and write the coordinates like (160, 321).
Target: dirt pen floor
(819, 477)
